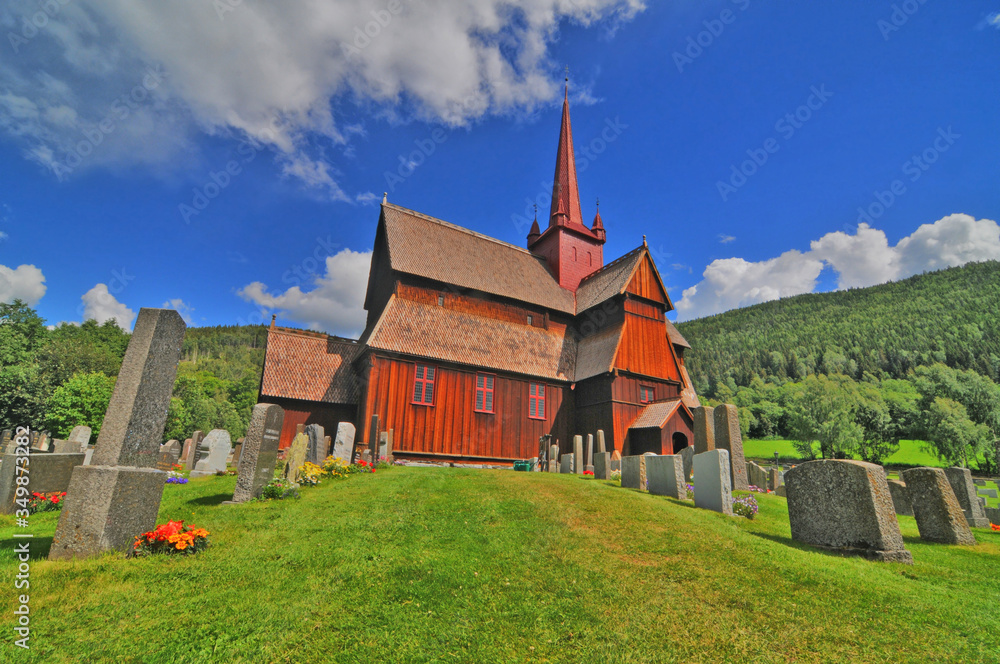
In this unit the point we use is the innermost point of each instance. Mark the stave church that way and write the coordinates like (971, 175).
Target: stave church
(475, 348)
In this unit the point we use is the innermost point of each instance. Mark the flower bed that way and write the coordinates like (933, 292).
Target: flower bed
(745, 506)
(172, 537)
(45, 502)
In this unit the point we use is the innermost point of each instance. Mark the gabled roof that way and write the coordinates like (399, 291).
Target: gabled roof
(596, 353)
(676, 338)
(310, 366)
(434, 249)
(613, 279)
(435, 332)
(655, 415)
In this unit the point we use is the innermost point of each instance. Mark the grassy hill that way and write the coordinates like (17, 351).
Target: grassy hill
(947, 316)
(457, 565)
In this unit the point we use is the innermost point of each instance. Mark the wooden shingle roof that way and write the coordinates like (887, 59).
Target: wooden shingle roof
(607, 282)
(310, 366)
(676, 338)
(434, 249)
(427, 330)
(655, 415)
(596, 353)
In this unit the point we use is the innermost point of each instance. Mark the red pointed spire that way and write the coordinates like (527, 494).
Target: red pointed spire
(565, 193)
(598, 226)
(535, 231)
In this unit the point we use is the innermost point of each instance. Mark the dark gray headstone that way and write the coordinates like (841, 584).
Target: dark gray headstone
(988, 493)
(192, 456)
(81, 436)
(316, 451)
(687, 456)
(566, 464)
(46, 473)
(704, 429)
(844, 506)
(900, 498)
(373, 439)
(616, 461)
(666, 476)
(712, 477)
(601, 445)
(965, 491)
(260, 452)
(634, 472)
(938, 513)
(602, 466)
(728, 437)
(118, 496)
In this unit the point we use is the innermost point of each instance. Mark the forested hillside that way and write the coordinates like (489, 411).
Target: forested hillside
(948, 317)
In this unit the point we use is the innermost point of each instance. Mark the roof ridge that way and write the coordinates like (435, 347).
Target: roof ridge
(468, 231)
(611, 264)
(298, 332)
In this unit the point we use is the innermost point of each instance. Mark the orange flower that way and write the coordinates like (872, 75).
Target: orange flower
(995, 527)
(181, 545)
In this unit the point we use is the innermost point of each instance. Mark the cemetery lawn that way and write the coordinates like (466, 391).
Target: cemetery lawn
(463, 565)
(910, 453)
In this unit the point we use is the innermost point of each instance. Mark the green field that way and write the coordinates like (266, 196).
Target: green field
(910, 453)
(461, 565)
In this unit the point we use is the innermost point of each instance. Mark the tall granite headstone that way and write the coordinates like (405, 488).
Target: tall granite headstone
(704, 429)
(666, 476)
(687, 456)
(343, 444)
(373, 439)
(900, 498)
(192, 458)
(601, 446)
(215, 450)
(961, 483)
(844, 506)
(81, 436)
(578, 455)
(590, 453)
(937, 511)
(295, 457)
(553, 458)
(728, 437)
(712, 490)
(260, 452)
(316, 452)
(118, 496)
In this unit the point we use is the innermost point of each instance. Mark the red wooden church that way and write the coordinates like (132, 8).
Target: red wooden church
(474, 348)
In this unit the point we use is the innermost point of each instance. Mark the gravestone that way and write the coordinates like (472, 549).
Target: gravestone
(844, 506)
(46, 473)
(164, 462)
(260, 452)
(295, 458)
(64, 446)
(616, 461)
(185, 453)
(554, 458)
(666, 476)
(566, 464)
(687, 456)
(373, 439)
(343, 444)
(988, 493)
(728, 437)
(977, 482)
(328, 444)
(704, 429)
(601, 446)
(590, 453)
(234, 458)
(634, 472)
(712, 477)
(88, 455)
(5, 439)
(81, 436)
(773, 479)
(993, 514)
(602, 466)
(192, 458)
(965, 491)
(390, 447)
(215, 450)
(44, 442)
(316, 450)
(756, 475)
(938, 512)
(174, 447)
(118, 496)
(900, 498)
(578, 455)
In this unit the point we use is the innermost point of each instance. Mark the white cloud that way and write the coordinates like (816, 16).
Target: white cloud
(335, 303)
(726, 239)
(275, 73)
(3, 236)
(25, 282)
(185, 310)
(862, 259)
(101, 305)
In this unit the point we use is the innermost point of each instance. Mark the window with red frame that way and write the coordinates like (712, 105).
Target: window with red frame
(536, 401)
(647, 394)
(484, 393)
(423, 385)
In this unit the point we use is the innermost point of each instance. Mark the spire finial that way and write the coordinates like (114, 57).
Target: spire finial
(644, 241)
(536, 211)
(385, 197)
(598, 204)
(566, 90)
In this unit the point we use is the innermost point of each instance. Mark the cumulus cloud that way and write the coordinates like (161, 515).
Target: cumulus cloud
(862, 259)
(335, 303)
(25, 282)
(100, 305)
(273, 73)
(726, 239)
(185, 310)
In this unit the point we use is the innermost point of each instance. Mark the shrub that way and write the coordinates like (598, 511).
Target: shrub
(309, 474)
(616, 475)
(335, 468)
(41, 502)
(690, 491)
(172, 537)
(278, 489)
(745, 506)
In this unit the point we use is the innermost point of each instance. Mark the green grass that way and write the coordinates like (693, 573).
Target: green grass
(458, 565)
(910, 453)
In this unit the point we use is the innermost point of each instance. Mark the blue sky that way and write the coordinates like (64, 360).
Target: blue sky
(886, 109)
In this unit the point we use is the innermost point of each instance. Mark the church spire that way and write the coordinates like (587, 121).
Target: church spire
(565, 194)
